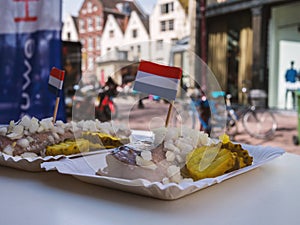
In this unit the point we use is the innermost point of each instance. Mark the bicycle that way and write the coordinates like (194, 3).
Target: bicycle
(258, 122)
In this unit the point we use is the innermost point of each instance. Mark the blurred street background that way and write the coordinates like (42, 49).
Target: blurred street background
(155, 112)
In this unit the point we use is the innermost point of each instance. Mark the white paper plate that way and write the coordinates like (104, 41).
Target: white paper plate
(27, 164)
(34, 164)
(84, 169)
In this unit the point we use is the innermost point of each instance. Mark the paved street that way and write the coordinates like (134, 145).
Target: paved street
(287, 128)
(154, 115)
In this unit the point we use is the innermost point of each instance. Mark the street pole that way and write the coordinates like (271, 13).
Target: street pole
(203, 42)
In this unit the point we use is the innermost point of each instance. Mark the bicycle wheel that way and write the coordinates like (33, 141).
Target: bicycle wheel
(260, 123)
(231, 126)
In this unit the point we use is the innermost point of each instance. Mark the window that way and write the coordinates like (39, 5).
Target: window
(83, 42)
(121, 55)
(89, 7)
(167, 7)
(166, 25)
(98, 22)
(98, 43)
(174, 41)
(134, 33)
(90, 43)
(108, 53)
(159, 44)
(163, 8)
(90, 24)
(69, 36)
(81, 25)
(162, 25)
(111, 34)
(90, 63)
(171, 24)
(138, 51)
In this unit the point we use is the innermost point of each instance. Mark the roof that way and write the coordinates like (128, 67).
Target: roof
(122, 9)
(110, 4)
(185, 5)
(75, 21)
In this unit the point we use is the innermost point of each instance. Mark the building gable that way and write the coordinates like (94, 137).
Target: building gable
(112, 34)
(136, 24)
(69, 29)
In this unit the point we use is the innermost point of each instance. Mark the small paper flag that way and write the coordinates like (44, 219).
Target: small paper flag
(56, 80)
(157, 79)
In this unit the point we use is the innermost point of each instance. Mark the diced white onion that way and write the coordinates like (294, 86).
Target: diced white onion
(28, 155)
(172, 170)
(170, 156)
(145, 164)
(25, 121)
(18, 129)
(146, 155)
(34, 125)
(24, 143)
(3, 130)
(165, 180)
(8, 150)
(14, 136)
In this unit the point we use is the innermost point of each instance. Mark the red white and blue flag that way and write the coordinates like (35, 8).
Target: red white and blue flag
(56, 80)
(157, 79)
(30, 45)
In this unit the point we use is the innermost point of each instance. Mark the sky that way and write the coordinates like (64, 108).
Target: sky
(72, 6)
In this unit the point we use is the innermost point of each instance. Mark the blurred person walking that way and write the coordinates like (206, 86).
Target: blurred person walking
(291, 78)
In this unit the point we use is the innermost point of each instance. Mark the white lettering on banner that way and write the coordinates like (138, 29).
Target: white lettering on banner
(26, 75)
(29, 48)
(28, 52)
(27, 101)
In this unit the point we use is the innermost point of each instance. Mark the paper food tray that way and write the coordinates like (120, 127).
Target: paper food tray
(34, 164)
(27, 164)
(84, 169)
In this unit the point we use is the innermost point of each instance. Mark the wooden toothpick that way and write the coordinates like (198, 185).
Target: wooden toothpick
(56, 109)
(169, 113)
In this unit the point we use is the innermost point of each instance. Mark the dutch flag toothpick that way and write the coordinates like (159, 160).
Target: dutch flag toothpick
(158, 80)
(56, 81)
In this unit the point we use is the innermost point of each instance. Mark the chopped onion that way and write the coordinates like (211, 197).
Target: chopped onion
(29, 155)
(25, 121)
(146, 155)
(34, 125)
(18, 129)
(3, 130)
(145, 163)
(24, 143)
(8, 150)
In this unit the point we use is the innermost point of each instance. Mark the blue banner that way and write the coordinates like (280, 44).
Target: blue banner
(30, 45)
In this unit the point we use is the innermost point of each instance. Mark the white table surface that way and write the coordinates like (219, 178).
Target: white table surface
(269, 194)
